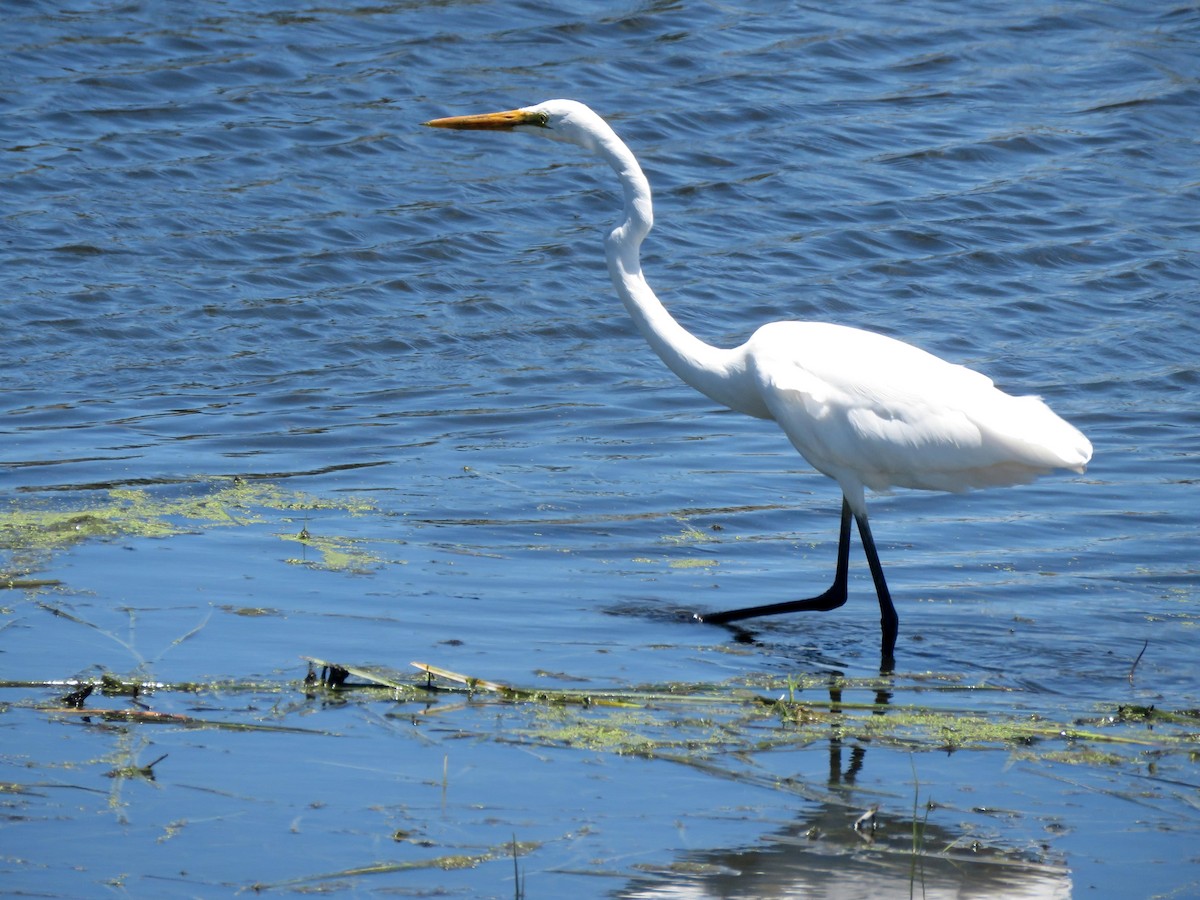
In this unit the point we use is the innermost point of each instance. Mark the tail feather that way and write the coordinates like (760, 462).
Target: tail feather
(1036, 435)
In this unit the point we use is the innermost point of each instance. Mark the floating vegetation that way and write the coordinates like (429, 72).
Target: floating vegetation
(335, 553)
(136, 771)
(681, 719)
(31, 528)
(693, 563)
(696, 719)
(447, 862)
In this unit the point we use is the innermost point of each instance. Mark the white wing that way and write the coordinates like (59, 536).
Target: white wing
(872, 411)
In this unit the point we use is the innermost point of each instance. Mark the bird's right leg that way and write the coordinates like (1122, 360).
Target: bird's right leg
(831, 599)
(889, 621)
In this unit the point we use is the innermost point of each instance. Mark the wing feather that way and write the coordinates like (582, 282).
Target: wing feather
(872, 411)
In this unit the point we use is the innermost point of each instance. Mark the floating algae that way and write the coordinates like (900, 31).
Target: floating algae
(30, 529)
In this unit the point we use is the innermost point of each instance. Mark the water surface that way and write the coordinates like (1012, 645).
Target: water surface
(232, 257)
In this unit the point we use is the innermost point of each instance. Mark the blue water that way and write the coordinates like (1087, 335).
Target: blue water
(229, 249)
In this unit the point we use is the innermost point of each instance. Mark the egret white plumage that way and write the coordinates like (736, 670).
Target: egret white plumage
(865, 409)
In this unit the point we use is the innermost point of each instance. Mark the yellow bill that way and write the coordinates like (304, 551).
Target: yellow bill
(497, 121)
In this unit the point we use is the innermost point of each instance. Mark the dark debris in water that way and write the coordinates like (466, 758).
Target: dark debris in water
(78, 697)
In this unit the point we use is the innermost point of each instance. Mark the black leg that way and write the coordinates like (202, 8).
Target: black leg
(831, 599)
(889, 622)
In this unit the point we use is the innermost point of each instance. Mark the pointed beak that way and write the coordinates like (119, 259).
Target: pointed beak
(497, 121)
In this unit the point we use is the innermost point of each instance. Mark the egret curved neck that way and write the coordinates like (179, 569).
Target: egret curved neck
(718, 374)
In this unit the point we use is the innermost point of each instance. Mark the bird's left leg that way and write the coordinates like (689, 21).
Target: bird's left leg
(830, 599)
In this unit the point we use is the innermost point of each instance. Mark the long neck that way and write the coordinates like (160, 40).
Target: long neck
(718, 374)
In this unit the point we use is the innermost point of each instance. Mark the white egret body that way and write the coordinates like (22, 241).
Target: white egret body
(867, 410)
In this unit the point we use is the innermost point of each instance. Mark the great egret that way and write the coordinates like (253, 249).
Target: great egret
(867, 410)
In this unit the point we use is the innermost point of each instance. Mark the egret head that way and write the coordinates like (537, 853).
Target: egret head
(561, 120)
